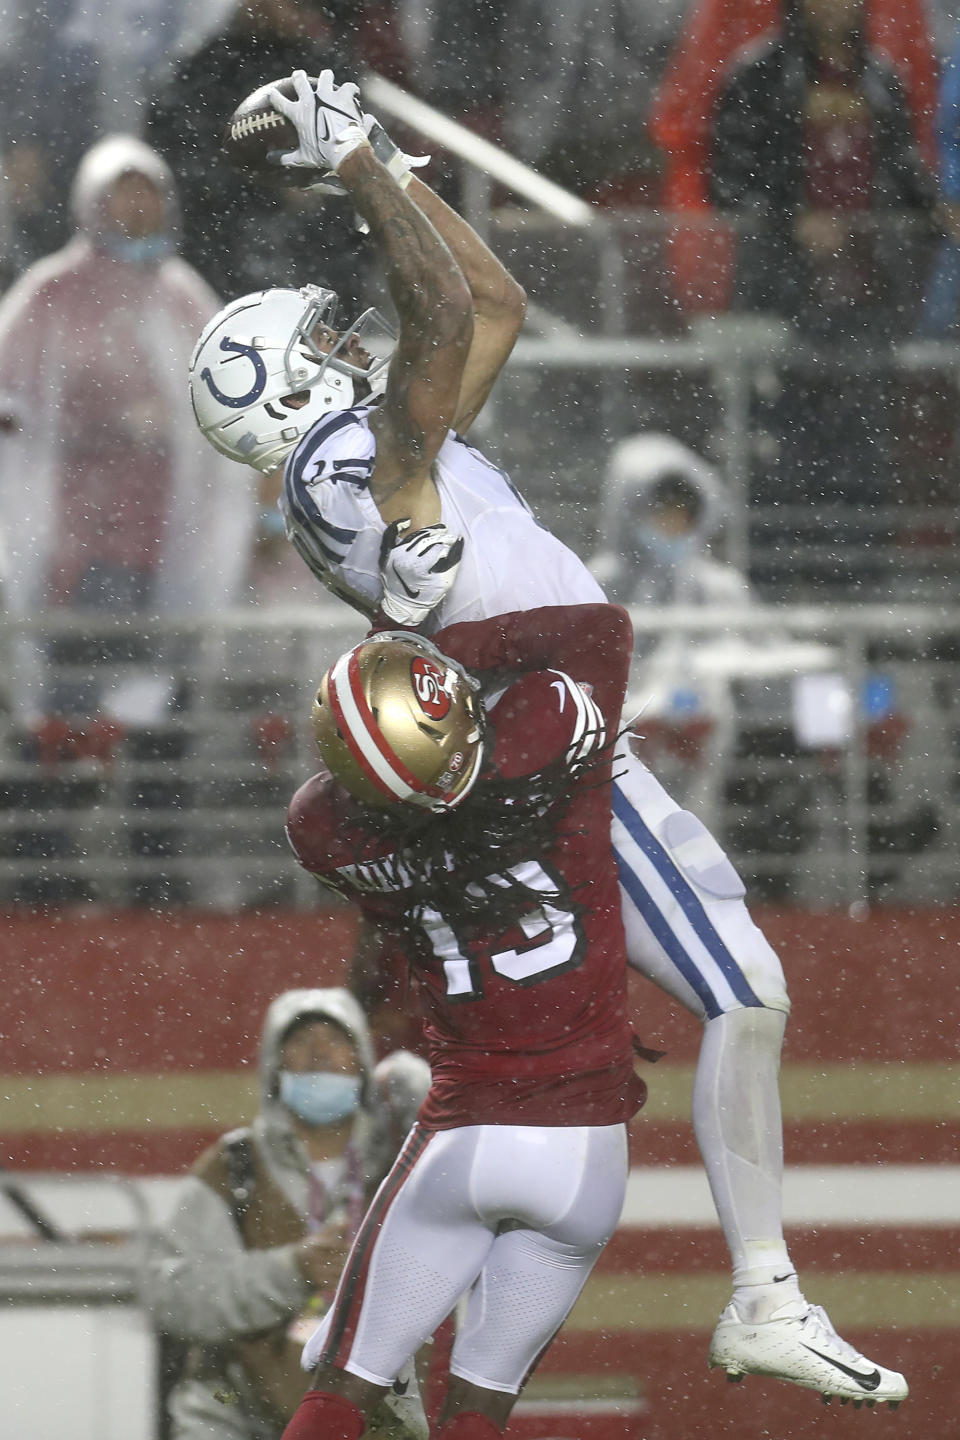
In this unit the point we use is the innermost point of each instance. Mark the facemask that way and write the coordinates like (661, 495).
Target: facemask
(319, 1097)
(667, 549)
(149, 250)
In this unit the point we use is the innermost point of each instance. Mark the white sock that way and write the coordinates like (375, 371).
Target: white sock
(737, 1121)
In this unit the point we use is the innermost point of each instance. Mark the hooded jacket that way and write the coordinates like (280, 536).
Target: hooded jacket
(632, 568)
(226, 1277)
(101, 462)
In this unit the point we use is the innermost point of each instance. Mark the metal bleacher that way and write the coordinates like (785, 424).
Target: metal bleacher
(188, 809)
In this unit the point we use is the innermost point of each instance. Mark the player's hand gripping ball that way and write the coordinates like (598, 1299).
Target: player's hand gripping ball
(257, 135)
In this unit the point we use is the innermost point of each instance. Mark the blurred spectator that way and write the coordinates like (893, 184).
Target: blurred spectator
(239, 235)
(700, 244)
(564, 86)
(110, 500)
(255, 1245)
(717, 31)
(812, 144)
(662, 508)
(815, 151)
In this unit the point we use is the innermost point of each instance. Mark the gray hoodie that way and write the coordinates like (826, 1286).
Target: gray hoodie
(632, 565)
(216, 1280)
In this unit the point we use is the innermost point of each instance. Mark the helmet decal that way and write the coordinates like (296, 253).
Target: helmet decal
(277, 331)
(237, 402)
(429, 688)
(396, 723)
(362, 734)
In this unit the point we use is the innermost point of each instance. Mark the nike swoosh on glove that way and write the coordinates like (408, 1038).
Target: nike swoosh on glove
(328, 120)
(417, 570)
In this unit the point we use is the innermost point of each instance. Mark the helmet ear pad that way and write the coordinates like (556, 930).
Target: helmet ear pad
(398, 724)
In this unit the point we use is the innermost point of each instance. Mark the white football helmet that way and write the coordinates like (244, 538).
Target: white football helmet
(259, 352)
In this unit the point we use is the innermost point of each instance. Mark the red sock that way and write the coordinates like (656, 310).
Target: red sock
(469, 1426)
(322, 1416)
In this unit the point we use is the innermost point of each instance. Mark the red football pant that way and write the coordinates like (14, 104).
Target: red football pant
(322, 1416)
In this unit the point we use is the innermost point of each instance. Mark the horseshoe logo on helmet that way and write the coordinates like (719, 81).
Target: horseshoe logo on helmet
(428, 688)
(238, 402)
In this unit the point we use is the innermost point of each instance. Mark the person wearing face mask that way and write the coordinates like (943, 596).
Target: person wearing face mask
(109, 500)
(253, 1250)
(662, 508)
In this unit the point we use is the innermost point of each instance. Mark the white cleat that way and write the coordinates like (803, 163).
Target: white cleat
(799, 1344)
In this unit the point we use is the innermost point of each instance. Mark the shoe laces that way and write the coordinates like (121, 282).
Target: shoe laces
(819, 1328)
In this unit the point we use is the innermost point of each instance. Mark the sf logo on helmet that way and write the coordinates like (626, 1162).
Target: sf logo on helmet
(428, 688)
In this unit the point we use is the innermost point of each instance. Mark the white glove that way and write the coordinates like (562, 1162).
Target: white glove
(387, 152)
(328, 121)
(417, 570)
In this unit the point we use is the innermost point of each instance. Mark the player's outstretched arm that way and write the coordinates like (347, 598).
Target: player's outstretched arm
(434, 308)
(499, 302)
(430, 293)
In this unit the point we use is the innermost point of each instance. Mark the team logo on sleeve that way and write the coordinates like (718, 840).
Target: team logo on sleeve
(428, 686)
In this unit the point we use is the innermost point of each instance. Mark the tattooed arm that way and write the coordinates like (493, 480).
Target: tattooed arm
(499, 302)
(434, 306)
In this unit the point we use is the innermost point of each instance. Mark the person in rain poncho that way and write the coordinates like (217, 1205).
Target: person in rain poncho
(256, 1242)
(109, 499)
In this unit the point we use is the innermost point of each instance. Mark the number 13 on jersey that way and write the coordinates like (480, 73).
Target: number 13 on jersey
(555, 941)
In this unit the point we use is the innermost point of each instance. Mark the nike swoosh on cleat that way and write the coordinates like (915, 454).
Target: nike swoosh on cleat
(869, 1382)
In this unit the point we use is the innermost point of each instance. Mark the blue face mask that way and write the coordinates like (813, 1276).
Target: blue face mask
(319, 1097)
(149, 250)
(667, 549)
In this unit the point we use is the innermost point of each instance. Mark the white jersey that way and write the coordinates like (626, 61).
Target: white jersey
(510, 562)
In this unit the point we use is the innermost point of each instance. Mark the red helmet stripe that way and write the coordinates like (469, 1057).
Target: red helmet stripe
(364, 739)
(347, 735)
(406, 776)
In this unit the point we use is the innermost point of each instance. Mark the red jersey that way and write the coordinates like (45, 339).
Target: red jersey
(528, 1025)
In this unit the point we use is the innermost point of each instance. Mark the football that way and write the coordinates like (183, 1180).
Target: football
(257, 135)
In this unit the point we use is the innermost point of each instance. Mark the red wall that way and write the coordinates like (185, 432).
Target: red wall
(106, 998)
(102, 995)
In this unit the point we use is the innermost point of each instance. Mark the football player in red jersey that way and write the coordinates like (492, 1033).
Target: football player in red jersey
(481, 840)
(368, 444)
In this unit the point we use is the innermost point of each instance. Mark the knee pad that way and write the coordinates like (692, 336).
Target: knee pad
(698, 855)
(721, 892)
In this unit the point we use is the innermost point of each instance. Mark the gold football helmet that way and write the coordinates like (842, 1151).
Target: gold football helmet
(397, 722)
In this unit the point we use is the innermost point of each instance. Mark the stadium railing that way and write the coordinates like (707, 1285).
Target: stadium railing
(819, 743)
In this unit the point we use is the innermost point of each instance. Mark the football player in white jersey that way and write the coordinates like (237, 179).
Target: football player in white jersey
(374, 460)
